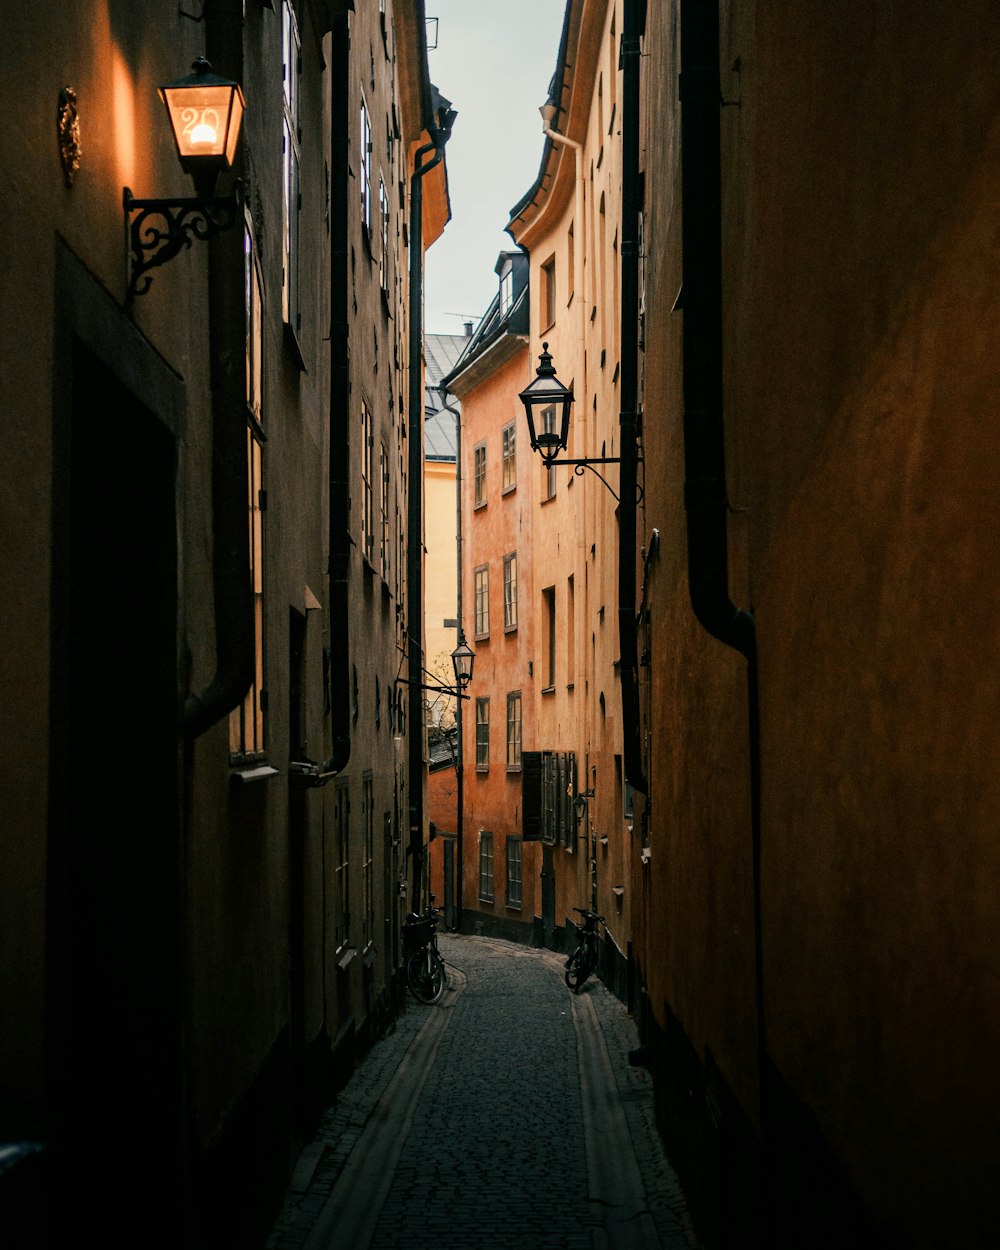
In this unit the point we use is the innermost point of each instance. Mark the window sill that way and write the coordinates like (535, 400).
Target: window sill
(546, 329)
(255, 772)
(486, 898)
(294, 348)
(549, 498)
(346, 957)
(514, 906)
(476, 507)
(513, 768)
(570, 685)
(508, 490)
(482, 768)
(369, 955)
(510, 629)
(480, 638)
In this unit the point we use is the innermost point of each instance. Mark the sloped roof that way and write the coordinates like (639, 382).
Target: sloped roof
(441, 352)
(498, 325)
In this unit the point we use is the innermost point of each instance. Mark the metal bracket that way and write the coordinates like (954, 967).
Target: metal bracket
(158, 229)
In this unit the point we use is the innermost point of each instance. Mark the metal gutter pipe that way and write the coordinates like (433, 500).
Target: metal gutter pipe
(415, 496)
(231, 582)
(628, 418)
(704, 451)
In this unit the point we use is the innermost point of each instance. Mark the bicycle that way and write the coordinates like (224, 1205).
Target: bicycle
(425, 974)
(583, 960)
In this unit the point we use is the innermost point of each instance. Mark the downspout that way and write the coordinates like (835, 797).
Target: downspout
(628, 420)
(704, 450)
(340, 408)
(231, 584)
(415, 528)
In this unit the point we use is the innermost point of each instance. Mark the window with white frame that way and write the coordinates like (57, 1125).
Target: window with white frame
(383, 260)
(514, 894)
(479, 475)
(481, 583)
(514, 729)
(510, 591)
(383, 461)
(367, 503)
(506, 290)
(291, 68)
(548, 474)
(366, 170)
(482, 732)
(486, 866)
(508, 446)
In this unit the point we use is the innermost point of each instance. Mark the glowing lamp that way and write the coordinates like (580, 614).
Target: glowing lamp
(205, 113)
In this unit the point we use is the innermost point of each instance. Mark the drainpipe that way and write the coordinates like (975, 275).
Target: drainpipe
(340, 409)
(704, 451)
(415, 464)
(231, 584)
(628, 420)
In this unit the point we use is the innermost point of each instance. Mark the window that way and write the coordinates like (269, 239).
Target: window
(508, 450)
(383, 260)
(482, 733)
(479, 475)
(367, 503)
(548, 784)
(367, 858)
(513, 872)
(570, 630)
(291, 69)
(506, 290)
(549, 627)
(246, 723)
(510, 591)
(384, 544)
(486, 866)
(514, 729)
(570, 262)
(366, 171)
(548, 474)
(482, 604)
(547, 303)
(342, 895)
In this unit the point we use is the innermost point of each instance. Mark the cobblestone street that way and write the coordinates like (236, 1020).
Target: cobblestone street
(507, 1115)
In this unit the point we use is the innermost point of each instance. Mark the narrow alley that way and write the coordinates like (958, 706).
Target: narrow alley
(508, 1114)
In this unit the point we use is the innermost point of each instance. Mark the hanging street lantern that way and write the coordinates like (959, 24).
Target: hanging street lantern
(463, 658)
(546, 404)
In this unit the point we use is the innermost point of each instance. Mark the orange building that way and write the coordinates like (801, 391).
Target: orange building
(500, 871)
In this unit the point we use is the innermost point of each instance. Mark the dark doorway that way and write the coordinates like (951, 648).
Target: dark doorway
(113, 985)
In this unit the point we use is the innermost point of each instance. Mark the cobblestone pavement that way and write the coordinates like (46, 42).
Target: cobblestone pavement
(507, 1115)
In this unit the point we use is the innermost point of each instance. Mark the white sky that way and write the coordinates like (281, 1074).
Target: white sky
(494, 61)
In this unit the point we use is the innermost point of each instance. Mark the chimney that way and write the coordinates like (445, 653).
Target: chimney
(468, 329)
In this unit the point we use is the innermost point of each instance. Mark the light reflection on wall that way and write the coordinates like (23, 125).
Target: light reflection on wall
(123, 89)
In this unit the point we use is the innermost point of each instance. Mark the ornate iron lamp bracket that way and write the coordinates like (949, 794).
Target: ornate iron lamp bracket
(158, 229)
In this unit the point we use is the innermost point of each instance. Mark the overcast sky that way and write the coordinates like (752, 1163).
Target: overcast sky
(494, 62)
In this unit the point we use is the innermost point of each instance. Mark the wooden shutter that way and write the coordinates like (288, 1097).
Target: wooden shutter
(531, 796)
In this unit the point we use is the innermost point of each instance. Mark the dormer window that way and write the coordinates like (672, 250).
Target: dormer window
(506, 289)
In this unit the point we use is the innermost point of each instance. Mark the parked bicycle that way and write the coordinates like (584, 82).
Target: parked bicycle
(425, 974)
(583, 961)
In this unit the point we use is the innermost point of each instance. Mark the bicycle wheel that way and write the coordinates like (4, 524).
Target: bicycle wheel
(578, 969)
(425, 975)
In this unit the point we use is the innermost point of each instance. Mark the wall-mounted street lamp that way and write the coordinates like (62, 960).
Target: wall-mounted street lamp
(463, 659)
(546, 405)
(206, 114)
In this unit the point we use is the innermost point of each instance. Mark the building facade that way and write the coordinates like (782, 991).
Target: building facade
(204, 508)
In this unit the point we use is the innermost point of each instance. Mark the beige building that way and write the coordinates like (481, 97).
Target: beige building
(204, 508)
(568, 222)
